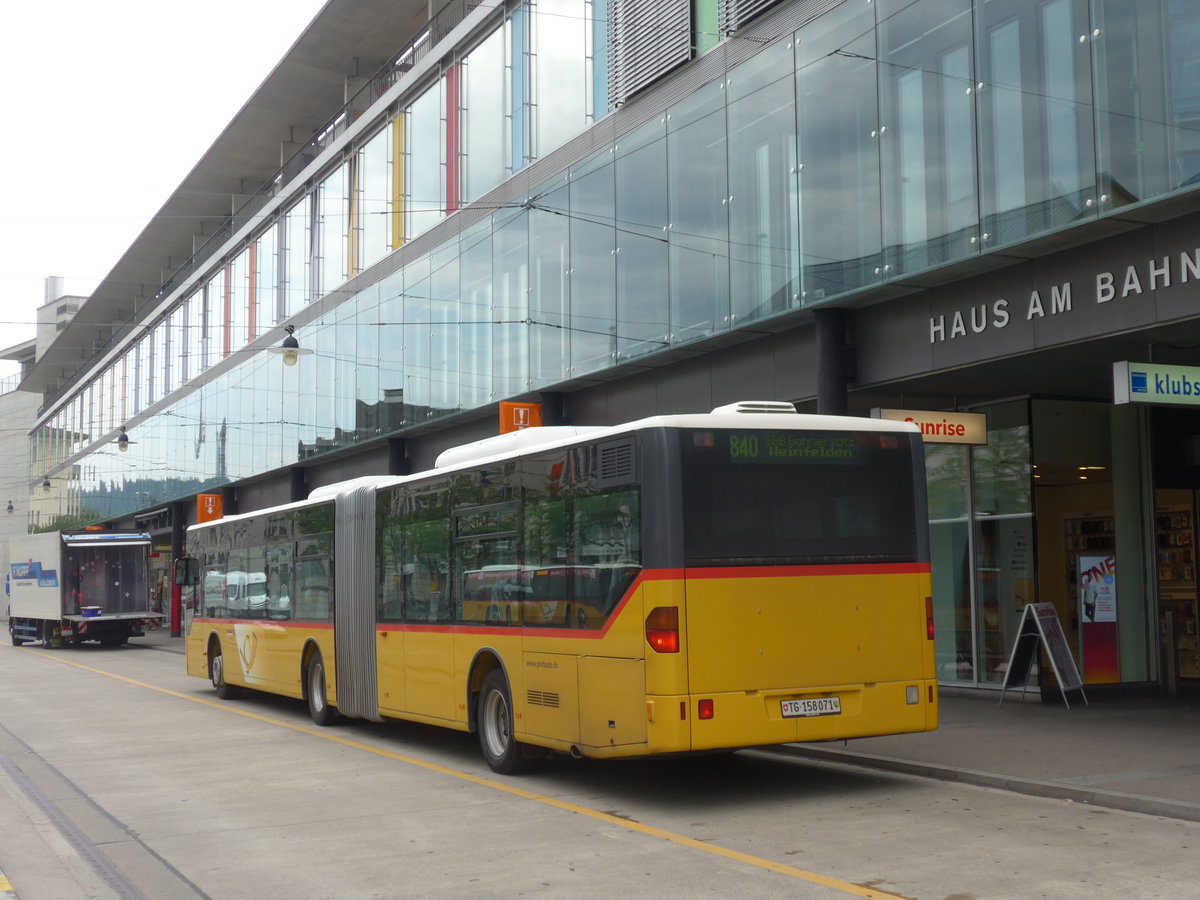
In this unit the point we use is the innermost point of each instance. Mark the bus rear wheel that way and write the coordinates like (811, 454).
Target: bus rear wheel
(495, 721)
(314, 691)
(216, 674)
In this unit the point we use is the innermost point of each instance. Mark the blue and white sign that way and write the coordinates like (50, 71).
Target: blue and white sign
(1149, 383)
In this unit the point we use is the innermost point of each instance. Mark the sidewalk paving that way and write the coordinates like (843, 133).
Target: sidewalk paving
(1138, 754)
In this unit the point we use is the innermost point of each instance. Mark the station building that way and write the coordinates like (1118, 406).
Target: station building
(979, 214)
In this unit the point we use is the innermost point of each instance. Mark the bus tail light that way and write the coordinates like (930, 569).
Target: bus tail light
(704, 709)
(929, 618)
(662, 629)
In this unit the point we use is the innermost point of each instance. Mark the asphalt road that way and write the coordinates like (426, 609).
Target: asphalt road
(122, 777)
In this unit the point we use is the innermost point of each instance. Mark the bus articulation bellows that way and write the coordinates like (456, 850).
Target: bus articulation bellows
(682, 583)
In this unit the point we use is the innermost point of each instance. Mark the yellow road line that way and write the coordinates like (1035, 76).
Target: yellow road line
(836, 884)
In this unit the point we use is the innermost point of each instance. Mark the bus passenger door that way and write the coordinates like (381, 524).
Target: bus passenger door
(389, 661)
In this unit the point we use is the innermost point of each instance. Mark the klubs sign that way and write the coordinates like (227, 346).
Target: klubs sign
(1161, 385)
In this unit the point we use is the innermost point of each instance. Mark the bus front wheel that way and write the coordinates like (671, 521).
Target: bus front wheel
(216, 674)
(495, 720)
(314, 691)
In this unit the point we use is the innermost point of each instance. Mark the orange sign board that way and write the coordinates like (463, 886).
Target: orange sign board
(515, 416)
(209, 507)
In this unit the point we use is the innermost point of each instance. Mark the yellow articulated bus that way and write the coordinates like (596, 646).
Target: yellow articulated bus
(682, 583)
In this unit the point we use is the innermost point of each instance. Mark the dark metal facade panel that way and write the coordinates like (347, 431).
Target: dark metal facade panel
(646, 39)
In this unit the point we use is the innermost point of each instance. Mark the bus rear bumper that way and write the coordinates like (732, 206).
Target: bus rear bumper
(754, 718)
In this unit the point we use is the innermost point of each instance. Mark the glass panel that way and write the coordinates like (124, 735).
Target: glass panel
(295, 278)
(485, 112)
(266, 295)
(1036, 141)
(561, 83)
(332, 227)
(444, 327)
(238, 310)
(345, 352)
(1005, 572)
(697, 169)
(762, 191)
(593, 271)
(392, 358)
(1004, 546)
(549, 295)
(417, 370)
(641, 244)
(375, 207)
(947, 480)
(1002, 466)
(476, 315)
(840, 223)
(423, 169)
(510, 280)
(927, 103)
(949, 554)
(1147, 98)
(519, 87)
(167, 356)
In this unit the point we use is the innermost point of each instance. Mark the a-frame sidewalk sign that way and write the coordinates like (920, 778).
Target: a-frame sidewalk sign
(1040, 627)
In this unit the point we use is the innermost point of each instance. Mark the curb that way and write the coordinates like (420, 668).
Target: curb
(1138, 803)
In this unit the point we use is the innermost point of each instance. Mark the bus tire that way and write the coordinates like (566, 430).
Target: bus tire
(216, 674)
(314, 691)
(494, 718)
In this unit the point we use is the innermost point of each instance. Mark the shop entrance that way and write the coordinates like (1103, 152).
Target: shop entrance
(1053, 510)
(1177, 481)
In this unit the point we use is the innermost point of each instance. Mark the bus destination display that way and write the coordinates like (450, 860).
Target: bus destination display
(792, 447)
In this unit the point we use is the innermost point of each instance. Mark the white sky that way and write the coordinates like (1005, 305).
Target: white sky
(105, 107)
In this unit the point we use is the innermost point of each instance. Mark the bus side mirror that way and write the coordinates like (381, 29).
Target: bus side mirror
(187, 571)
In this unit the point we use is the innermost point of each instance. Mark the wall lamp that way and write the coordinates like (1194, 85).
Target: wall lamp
(290, 349)
(11, 508)
(123, 440)
(46, 484)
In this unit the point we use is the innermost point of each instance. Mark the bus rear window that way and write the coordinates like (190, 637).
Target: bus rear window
(759, 497)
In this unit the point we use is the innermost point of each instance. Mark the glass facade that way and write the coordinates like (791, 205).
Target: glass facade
(882, 139)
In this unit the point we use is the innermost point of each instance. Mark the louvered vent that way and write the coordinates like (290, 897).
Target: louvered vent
(736, 13)
(548, 699)
(615, 464)
(646, 39)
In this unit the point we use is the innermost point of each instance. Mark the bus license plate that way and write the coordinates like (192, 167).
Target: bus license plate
(812, 706)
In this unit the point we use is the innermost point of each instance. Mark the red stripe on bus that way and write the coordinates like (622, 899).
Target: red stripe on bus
(809, 571)
(280, 623)
(598, 633)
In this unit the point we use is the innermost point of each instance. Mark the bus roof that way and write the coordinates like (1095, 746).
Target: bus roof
(766, 414)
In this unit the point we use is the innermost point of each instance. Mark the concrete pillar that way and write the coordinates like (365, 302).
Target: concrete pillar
(554, 408)
(299, 490)
(398, 461)
(832, 358)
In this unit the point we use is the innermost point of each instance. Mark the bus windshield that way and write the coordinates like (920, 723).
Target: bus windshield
(758, 497)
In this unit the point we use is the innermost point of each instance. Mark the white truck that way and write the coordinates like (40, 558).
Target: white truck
(79, 586)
